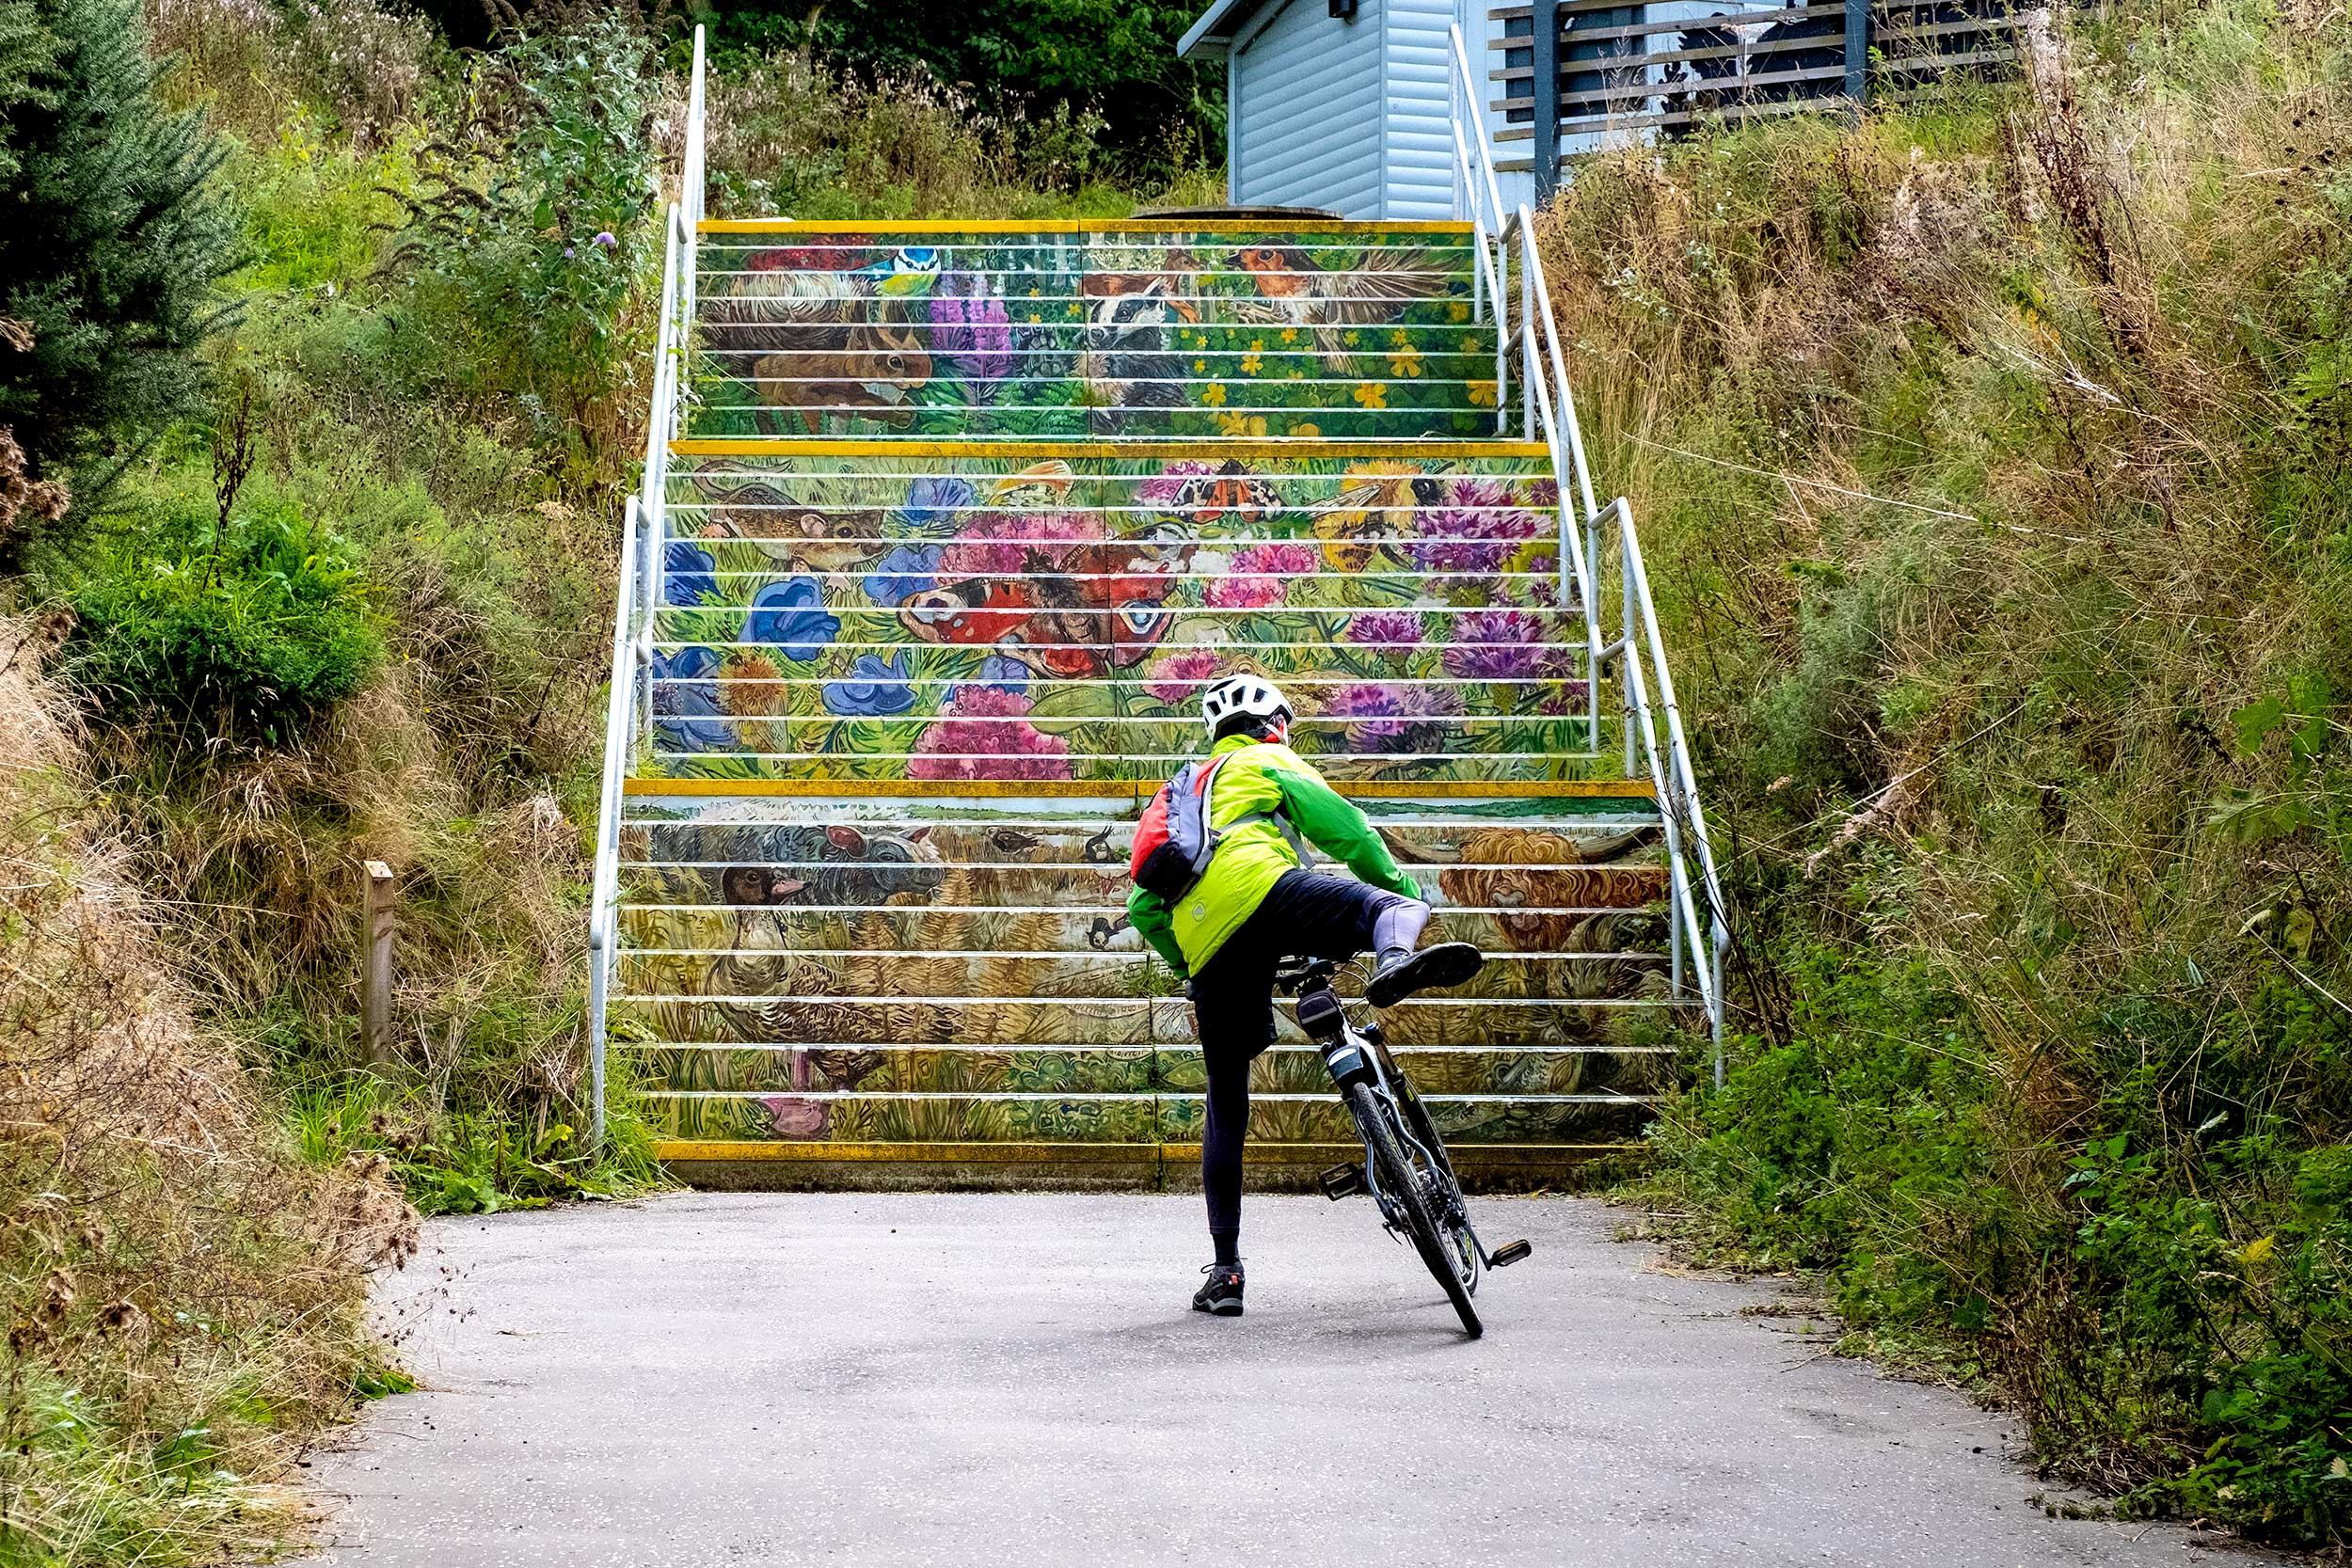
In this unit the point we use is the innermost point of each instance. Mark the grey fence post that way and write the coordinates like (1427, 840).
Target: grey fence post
(1546, 96)
(1857, 51)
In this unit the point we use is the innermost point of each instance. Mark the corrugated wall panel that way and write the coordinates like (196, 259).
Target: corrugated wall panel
(1417, 180)
(1308, 125)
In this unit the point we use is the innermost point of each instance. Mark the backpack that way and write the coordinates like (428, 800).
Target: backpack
(1174, 840)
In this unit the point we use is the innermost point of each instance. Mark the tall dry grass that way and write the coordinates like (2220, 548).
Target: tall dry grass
(186, 1296)
(1996, 459)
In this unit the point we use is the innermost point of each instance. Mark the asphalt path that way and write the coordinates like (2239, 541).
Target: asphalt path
(903, 1380)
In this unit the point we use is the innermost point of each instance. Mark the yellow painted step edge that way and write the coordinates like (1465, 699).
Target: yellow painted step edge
(1198, 446)
(714, 1150)
(1140, 789)
(1084, 226)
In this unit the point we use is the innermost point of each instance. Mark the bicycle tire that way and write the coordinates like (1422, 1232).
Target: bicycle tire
(1398, 1181)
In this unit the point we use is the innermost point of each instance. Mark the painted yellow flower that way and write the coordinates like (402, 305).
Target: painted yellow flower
(1372, 394)
(1241, 424)
(1400, 339)
(1310, 431)
(1251, 361)
(1289, 334)
(1471, 345)
(1214, 394)
(1353, 340)
(1405, 362)
(1460, 311)
(1482, 393)
(1199, 367)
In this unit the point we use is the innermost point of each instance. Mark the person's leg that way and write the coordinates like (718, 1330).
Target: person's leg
(1336, 917)
(1234, 1012)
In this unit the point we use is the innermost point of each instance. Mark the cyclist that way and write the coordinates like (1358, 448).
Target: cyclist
(1255, 906)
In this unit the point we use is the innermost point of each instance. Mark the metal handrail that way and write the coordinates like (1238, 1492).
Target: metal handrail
(638, 594)
(1473, 165)
(1699, 916)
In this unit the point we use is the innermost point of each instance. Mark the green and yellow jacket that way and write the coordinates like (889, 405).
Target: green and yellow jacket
(1258, 780)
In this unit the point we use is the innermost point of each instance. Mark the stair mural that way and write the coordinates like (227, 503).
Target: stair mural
(944, 528)
(1139, 329)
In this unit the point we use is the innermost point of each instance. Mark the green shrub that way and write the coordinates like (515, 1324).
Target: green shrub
(243, 633)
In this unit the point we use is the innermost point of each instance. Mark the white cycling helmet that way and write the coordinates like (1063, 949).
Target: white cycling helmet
(1254, 695)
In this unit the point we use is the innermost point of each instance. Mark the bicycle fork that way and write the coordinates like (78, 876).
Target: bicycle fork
(1352, 1057)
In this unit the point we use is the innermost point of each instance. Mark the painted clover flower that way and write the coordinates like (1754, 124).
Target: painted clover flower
(985, 735)
(1175, 679)
(877, 687)
(1259, 577)
(791, 615)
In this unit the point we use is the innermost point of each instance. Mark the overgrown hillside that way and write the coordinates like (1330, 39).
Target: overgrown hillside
(323, 356)
(1998, 451)
(184, 1292)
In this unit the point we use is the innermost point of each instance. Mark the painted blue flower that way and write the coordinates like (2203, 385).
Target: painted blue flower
(688, 574)
(686, 702)
(876, 689)
(909, 570)
(1004, 673)
(791, 615)
(930, 501)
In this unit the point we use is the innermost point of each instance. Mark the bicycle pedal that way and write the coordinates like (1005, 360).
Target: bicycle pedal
(1508, 1254)
(1341, 1181)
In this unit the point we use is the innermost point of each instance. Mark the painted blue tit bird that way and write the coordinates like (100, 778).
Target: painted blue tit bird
(909, 271)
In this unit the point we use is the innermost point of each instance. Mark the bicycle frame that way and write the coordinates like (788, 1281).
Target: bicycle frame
(1357, 1052)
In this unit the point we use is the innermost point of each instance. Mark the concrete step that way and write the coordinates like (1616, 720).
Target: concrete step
(1287, 1068)
(1317, 1118)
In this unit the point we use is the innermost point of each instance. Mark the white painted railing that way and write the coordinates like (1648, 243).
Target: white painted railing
(639, 592)
(1655, 742)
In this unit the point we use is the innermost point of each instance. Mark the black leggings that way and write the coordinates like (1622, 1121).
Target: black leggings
(1304, 913)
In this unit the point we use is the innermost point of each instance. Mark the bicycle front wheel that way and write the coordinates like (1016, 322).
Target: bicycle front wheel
(1401, 1185)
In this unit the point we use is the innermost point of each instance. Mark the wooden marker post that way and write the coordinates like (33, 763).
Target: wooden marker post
(375, 986)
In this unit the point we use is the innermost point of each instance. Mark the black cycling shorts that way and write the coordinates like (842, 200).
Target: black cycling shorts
(1308, 914)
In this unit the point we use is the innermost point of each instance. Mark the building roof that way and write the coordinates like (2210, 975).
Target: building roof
(1218, 28)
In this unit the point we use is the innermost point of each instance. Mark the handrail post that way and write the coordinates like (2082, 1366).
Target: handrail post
(1544, 93)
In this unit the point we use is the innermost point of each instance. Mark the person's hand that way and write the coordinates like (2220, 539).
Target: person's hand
(1189, 997)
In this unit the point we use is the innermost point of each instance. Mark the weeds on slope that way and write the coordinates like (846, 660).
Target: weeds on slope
(185, 1293)
(2000, 456)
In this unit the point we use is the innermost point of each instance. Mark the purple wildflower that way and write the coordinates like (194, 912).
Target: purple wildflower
(1479, 532)
(1386, 628)
(1504, 644)
(604, 238)
(970, 326)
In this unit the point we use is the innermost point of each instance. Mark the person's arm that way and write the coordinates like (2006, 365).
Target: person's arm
(1147, 914)
(1335, 827)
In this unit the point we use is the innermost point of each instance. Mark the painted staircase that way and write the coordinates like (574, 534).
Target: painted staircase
(945, 526)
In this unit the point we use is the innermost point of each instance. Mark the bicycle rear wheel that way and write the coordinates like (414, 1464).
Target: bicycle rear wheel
(1401, 1184)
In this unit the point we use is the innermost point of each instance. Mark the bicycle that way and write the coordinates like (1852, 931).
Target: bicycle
(1405, 1167)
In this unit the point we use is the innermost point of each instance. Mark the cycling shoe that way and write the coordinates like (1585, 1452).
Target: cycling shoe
(1221, 1295)
(1400, 974)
